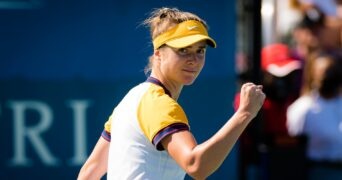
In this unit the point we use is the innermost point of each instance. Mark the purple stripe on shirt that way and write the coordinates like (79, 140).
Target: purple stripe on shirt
(157, 82)
(106, 135)
(167, 131)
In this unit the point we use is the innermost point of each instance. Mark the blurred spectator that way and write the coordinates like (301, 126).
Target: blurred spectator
(268, 143)
(304, 42)
(320, 28)
(281, 81)
(304, 38)
(318, 115)
(328, 7)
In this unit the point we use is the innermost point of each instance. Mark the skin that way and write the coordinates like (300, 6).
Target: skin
(319, 68)
(176, 68)
(96, 165)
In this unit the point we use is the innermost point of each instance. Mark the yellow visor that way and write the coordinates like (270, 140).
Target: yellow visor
(184, 34)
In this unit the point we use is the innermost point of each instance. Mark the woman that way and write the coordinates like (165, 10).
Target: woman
(318, 115)
(147, 136)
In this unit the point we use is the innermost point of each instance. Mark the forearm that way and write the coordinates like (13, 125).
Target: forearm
(91, 170)
(212, 153)
(199, 161)
(96, 165)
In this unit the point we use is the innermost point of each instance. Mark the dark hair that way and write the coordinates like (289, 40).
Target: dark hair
(332, 80)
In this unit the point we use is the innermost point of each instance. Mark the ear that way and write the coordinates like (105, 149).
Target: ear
(157, 54)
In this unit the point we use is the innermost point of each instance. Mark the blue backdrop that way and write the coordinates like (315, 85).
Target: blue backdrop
(65, 64)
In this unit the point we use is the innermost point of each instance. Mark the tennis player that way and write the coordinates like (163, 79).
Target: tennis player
(148, 136)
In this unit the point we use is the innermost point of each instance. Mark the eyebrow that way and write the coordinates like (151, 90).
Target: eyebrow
(203, 47)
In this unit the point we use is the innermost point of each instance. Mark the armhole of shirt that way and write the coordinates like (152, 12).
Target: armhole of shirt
(106, 135)
(173, 128)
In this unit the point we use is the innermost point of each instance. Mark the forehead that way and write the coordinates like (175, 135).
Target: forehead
(200, 44)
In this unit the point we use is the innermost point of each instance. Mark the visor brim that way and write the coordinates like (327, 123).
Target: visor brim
(189, 40)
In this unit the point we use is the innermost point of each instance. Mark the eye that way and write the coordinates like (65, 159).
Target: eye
(183, 51)
(201, 51)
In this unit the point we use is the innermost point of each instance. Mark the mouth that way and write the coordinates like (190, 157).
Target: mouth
(190, 71)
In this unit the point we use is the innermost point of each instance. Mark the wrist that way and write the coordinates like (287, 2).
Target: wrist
(244, 116)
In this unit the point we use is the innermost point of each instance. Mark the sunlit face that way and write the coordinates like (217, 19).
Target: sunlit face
(182, 66)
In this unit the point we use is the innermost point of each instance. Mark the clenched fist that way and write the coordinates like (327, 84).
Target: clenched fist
(251, 99)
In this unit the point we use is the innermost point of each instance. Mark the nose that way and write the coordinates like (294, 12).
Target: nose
(193, 58)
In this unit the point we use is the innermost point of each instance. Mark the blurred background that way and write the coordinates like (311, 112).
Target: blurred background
(65, 64)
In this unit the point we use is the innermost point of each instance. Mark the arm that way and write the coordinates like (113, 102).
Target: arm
(199, 161)
(96, 165)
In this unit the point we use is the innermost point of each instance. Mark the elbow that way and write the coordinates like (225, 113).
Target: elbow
(196, 174)
(197, 170)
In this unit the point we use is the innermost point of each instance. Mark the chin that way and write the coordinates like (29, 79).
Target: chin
(189, 82)
(189, 79)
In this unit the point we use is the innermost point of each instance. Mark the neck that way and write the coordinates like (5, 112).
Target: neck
(174, 88)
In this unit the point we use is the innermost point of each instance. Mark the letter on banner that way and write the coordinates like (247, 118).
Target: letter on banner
(79, 110)
(31, 133)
